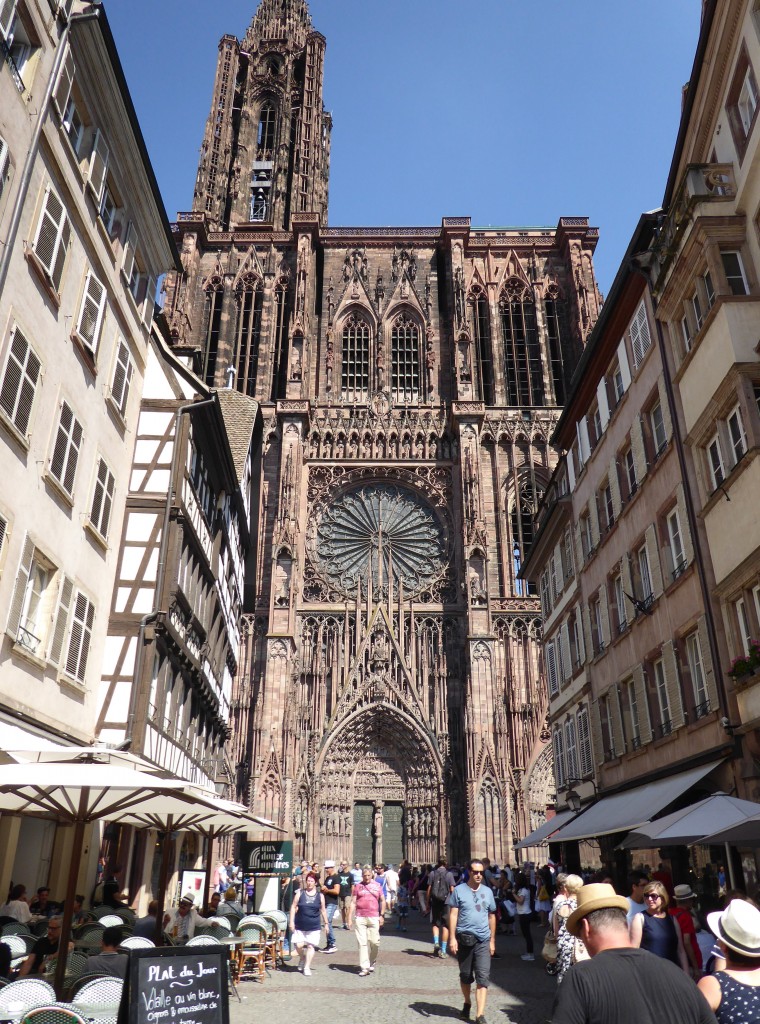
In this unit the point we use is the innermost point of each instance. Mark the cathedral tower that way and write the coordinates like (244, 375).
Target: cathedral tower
(390, 698)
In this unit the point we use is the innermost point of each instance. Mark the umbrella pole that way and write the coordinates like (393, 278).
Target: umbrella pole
(730, 866)
(68, 906)
(165, 847)
(209, 862)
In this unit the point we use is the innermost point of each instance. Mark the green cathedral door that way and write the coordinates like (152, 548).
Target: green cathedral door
(363, 815)
(393, 834)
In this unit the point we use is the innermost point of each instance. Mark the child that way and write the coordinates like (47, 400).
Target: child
(402, 907)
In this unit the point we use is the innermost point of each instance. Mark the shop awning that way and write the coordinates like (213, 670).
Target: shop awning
(543, 832)
(625, 811)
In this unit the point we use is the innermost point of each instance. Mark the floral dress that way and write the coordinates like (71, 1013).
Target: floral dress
(565, 941)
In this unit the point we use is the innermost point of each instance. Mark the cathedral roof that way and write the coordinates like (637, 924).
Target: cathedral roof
(280, 20)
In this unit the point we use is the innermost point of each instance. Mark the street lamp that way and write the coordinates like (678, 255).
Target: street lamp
(573, 797)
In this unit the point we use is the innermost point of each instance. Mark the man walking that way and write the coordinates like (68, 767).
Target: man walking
(369, 911)
(441, 884)
(621, 984)
(472, 920)
(344, 896)
(636, 882)
(331, 892)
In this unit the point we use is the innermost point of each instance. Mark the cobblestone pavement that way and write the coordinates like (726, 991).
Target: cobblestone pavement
(409, 985)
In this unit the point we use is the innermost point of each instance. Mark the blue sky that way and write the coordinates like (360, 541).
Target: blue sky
(514, 112)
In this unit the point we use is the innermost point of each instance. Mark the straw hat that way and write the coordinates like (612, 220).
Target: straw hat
(595, 896)
(683, 892)
(737, 927)
(187, 900)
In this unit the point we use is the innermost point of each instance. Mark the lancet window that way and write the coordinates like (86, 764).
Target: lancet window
(266, 132)
(248, 334)
(405, 359)
(280, 373)
(522, 352)
(481, 332)
(212, 320)
(555, 329)
(522, 523)
(355, 359)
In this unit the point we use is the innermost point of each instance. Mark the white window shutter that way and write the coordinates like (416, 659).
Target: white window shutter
(584, 446)
(98, 164)
(564, 639)
(65, 81)
(91, 311)
(19, 385)
(673, 684)
(80, 638)
(52, 239)
(7, 16)
(640, 336)
(22, 578)
(68, 442)
(130, 252)
(683, 522)
(102, 499)
(653, 553)
(625, 369)
(122, 377)
(570, 463)
(150, 302)
(61, 620)
(604, 405)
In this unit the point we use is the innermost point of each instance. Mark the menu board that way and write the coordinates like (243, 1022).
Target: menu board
(176, 985)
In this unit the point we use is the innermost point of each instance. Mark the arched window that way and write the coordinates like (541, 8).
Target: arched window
(481, 332)
(266, 132)
(554, 309)
(355, 359)
(405, 359)
(522, 352)
(212, 319)
(280, 372)
(523, 530)
(248, 335)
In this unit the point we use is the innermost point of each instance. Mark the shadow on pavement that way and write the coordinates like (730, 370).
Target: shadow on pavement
(419, 952)
(435, 1010)
(346, 968)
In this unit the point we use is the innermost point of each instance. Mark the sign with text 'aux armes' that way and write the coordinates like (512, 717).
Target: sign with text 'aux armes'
(268, 858)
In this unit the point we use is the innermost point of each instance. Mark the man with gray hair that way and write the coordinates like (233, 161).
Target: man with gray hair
(621, 984)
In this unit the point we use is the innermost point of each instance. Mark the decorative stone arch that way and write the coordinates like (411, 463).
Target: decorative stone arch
(539, 787)
(379, 754)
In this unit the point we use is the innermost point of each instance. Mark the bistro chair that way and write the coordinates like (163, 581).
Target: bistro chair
(16, 928)
(37, 928)
(97, 998)
(203, 940)
(111, 921)
(218, 927)
(76, 964)
(270, 930)
(17, 946)
(276, 935)
(52, 1015)
(137, 942)
(19, 997)
(254, 949)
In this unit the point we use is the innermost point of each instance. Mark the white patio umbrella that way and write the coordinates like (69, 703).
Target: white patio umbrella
(741, 833)
(78, 793)
(692, 824)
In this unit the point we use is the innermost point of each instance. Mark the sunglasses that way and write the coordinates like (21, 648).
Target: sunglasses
(477, 872)
(652, 896)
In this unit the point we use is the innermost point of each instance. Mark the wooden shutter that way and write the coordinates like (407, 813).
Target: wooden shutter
(65, 591)
(7, 15)
(638, 449)
(551, 668)
(617, 501)
(640, 688)
(130, 252)
(584, 445)
(625, 572)
(98, 164)
(53, 235)
(653, 554)
(570, 463)
(596, 733)
(617, 720)
(586, 627)
(102, 499)
(607, 635)
(586, 756)
(673, 683)
(707, 663)
(604, 405)
(571, 745)
(3, 532)
(150, 301)
(22, 578)
(91, 312)
(122, 377)
(65, 81)
(559, 756)
(80, 638)
(22, 371)
(640, 336)
(564, 639)
(664, 405)
(68, 443)
(625, 369)
(686, 538)
(593, 513)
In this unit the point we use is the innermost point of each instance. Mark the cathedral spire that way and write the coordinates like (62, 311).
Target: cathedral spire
(280, 20)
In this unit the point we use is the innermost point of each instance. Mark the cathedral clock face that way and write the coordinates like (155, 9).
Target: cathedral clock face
(375, 530)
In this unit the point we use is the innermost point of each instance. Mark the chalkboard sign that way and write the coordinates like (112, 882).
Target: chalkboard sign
(176, 985)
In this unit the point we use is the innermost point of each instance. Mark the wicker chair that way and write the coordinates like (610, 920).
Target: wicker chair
(38, 929)
(271, 930)
(255, 947)
(111, 921)
(16, 928)
(276, 935)
(17, 946)
(52, 1015)
(102, 994)
(136, 942)
(203, 940)
(218, 927)
(17, 998)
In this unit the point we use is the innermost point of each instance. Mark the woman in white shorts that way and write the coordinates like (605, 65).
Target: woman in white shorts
(307, 915)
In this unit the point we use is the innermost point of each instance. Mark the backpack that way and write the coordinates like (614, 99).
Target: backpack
(440, 886)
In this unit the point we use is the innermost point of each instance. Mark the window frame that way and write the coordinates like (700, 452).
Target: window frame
(715, 461)
(741, 276)
(697, 673)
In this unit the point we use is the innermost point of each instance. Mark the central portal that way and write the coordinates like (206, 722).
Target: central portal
(378, 833)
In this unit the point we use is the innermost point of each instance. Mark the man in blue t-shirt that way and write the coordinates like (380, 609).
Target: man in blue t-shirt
(472, 925)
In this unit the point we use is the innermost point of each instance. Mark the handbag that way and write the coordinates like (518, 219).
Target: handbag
(542, 893)
(549, 952)
(466, 938)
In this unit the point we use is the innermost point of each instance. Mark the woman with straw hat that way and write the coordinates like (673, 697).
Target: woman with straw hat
(734, 994)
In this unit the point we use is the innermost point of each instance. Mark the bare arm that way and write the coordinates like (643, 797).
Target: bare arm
(710, 989)
(681, 947)
(322, 911)
(453, 918)
(293, 907)
(637, 929)
(26, 966)
(381, 920)
(492, 927)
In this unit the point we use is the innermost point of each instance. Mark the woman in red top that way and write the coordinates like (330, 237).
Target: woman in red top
(369, 915)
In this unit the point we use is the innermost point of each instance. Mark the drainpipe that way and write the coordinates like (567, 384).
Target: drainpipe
(160, 571)
(31, 156)
(691, 514)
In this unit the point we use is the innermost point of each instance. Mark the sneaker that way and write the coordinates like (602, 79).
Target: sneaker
(527, 956)
(307, 972)
(330, 949)
(465, 1014)
(440, 954)
(480, 1020)
(364, 972)
(371, 968)
(436, 950)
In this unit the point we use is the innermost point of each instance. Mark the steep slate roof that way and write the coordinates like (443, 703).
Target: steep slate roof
(239, 414)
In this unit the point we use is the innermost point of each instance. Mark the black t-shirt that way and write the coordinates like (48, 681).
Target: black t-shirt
(344, 877)
(629, 986)
(330, 882)
(43, 947)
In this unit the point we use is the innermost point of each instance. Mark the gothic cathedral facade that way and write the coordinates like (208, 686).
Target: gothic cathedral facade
(389, 698)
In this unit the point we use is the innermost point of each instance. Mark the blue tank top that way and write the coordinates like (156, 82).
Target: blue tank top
(739, 1003)
(659, 937)
(308, 916)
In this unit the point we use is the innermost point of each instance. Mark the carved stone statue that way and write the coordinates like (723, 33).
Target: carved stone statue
(295, 363)
(329, 364)
(430, 366)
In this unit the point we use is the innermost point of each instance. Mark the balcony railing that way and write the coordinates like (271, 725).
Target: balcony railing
(702, 709)
(26, 639)
(680, 569)
(700, 183)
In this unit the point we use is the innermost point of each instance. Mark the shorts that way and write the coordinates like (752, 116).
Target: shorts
(439, 912)
(299, 938)
(475, 963)
(345, 902)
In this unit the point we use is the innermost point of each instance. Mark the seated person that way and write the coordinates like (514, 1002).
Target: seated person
(109, 960)
(79, 915)
(145, 927)
(41, 905)
(213, 905)
(112, 894)
(181, 924)
(17, 906)
(231, 901)
(43, 950)
(5, 960)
